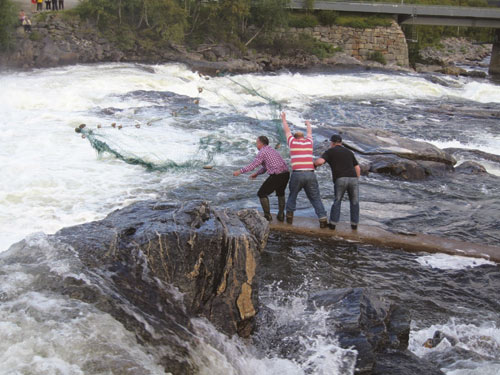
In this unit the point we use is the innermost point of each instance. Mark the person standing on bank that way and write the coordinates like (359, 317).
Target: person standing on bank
(272, 163)
(303, 177)
(345, 174)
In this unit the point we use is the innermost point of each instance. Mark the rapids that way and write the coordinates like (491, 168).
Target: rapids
(177, 121)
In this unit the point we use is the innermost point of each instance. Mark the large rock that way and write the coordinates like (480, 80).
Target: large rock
(210, 255)
(388, 153)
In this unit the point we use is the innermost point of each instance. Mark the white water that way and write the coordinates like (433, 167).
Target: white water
(451, 262)
(51, 178)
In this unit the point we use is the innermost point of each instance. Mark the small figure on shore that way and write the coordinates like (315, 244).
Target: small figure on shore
(27, 25)
(33, 5)
(48, 4)
(61, 4)
(345, 174)
(303, 177)
(54, 4)
(39, 5)
(272, 163)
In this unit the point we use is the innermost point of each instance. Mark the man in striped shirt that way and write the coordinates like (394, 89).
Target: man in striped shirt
(303, 177)
(272, 163)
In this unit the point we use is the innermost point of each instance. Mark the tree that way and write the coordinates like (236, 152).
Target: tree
(7, 23)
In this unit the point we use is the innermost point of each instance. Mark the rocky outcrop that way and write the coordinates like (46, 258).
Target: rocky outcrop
(210, 255)
(153, 266)
(384, 152)
(453, 51)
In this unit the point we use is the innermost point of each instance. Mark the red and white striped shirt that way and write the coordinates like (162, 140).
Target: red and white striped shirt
(301, 153)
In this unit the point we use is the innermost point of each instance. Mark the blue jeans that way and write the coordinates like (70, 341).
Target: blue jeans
(305, 180)
(351, 185)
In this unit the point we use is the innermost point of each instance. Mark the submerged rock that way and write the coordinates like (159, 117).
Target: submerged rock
(471, 167)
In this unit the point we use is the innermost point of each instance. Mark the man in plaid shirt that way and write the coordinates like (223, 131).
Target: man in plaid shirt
(272, 163)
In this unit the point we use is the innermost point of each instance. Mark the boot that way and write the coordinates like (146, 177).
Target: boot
(265, 207)
(323, 222)
(289, 217)
(281, 208)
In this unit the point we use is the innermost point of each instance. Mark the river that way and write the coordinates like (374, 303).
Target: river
(173, 122)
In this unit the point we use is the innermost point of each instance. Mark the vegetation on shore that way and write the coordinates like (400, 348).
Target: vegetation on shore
(154, 24)
(7, 22)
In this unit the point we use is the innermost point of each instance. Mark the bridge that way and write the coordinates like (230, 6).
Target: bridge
(434, 15)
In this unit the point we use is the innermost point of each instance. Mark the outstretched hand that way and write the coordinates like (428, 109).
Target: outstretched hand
(236, 173)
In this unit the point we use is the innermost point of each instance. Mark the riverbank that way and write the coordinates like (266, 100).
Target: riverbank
(59, 39)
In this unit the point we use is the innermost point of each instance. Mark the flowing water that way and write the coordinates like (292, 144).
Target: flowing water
(169, 123)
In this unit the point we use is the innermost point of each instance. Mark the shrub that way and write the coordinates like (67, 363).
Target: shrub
(378, 57)
(302, 20)
(35, 36)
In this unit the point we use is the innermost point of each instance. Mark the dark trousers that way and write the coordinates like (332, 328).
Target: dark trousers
(61, 4)
(274, 183)
(54, 4)
(39, 6)
(47, 5)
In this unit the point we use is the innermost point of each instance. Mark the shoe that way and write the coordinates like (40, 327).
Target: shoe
(264, 202)
(281, 208)
(289, 217)
(354, 226)
(323, 223)
(331, 226)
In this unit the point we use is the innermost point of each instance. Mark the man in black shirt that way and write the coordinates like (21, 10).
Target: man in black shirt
(345, 174)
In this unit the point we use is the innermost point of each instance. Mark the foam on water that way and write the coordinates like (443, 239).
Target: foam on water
(320, 351)
(451, 262)
(47, 333)
(475, 347)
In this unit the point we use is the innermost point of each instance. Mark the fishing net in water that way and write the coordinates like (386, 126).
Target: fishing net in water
(131, 144)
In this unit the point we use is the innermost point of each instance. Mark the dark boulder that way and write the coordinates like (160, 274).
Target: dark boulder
(377, 329)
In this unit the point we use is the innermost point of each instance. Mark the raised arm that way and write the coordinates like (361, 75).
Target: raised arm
(286, 128)
(309, 129)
